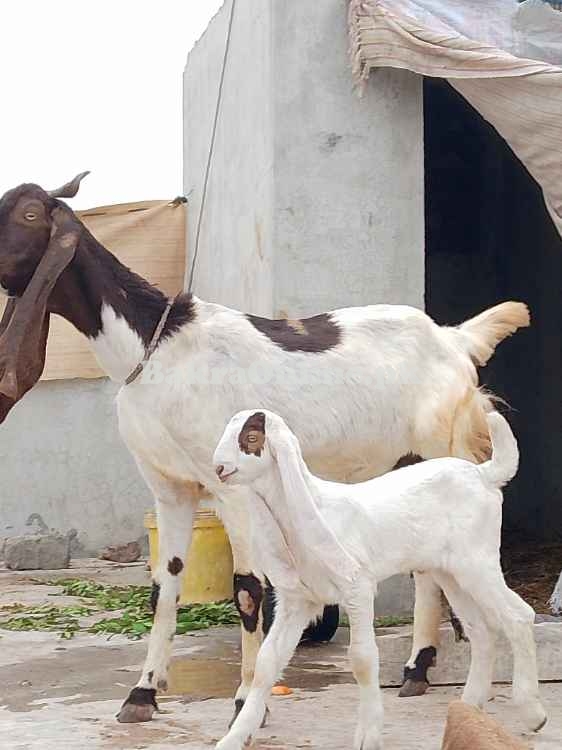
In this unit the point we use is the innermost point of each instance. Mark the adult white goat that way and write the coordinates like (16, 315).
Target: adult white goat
(361, 387)
(321, 542)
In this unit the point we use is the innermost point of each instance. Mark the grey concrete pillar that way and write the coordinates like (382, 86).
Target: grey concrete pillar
(315, 197)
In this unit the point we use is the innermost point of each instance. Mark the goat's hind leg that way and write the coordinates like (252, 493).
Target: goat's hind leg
(176, 505)
(506, 611)
(482, 637)
(427, 618)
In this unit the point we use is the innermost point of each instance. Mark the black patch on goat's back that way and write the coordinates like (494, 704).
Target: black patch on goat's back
(408, 460)
(154, 596)
(150, 676)
(175, 566)
(317, 334)
(248, 595)
(268, 606)
(424, 660)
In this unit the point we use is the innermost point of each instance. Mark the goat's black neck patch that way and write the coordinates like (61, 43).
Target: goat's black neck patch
(248, 595)
(318, 334)
(96, 277)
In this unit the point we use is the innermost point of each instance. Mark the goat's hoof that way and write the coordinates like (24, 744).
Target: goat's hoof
(413, 688)
(139, 706)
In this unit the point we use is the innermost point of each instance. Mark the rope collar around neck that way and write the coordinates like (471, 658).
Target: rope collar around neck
(155, 340)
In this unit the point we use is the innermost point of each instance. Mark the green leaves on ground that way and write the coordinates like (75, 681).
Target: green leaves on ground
(132, 602)
(45, 617)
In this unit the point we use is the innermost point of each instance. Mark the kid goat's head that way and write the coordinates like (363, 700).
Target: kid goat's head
(245, 450)
(38, 239)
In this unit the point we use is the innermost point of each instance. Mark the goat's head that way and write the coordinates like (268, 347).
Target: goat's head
(244, 450)
(38, 239)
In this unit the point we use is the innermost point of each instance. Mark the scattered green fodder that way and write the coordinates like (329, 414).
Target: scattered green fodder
(132, 603)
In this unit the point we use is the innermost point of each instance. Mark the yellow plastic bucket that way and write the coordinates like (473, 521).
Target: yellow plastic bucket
(208, 573)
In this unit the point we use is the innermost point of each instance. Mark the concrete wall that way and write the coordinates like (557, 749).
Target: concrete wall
(61, 457)
(237, 232)
(316, 197)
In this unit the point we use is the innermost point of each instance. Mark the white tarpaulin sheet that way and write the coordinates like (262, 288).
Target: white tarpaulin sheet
(505, 58)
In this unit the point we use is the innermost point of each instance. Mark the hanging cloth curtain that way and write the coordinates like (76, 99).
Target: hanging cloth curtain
(482, 49)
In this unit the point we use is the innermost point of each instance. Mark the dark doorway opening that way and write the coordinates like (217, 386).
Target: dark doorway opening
(489, 238)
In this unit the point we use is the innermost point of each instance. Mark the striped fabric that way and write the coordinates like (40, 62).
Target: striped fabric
(521, 98)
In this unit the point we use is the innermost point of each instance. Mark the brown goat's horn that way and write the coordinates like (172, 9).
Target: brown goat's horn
(70, 189)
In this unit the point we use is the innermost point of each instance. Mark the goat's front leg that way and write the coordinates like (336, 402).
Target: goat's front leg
(175, 506)
(291, 617)
(427, 618)
(253, 596)
(364, 655)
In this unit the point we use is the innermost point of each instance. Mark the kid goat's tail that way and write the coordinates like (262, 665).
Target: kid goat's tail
(505, 454)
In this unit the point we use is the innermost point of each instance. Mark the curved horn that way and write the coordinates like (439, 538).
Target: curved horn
(70, 189)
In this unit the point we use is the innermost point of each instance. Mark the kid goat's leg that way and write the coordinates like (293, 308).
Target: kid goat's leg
(427, 616)
(482, 636)
(364, 655)
(291, 617)
(508, 612)
(176, 504)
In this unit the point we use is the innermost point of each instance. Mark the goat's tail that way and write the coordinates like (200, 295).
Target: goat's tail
(505, 454)
(480, 335)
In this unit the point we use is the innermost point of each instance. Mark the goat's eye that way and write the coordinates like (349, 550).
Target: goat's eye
(30, 216)
(252, 438)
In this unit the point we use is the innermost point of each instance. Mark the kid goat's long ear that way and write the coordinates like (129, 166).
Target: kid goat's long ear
(319, 538)
(25, 325)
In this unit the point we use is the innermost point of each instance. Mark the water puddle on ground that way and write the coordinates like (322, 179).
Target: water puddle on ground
(201, 679)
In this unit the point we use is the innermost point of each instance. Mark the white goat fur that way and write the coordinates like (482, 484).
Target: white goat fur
(397, 383)
(322, 542)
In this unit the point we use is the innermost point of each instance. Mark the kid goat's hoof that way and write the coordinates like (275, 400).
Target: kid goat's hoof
(239, 705)
(139, 706)
(413, 688)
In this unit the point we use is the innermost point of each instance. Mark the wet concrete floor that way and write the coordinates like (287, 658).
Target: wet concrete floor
(56, 696)
(63, 695)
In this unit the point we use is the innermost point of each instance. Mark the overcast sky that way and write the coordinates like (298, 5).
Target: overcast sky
(96, 85)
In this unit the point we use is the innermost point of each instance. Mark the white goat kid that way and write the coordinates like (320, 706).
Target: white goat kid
(322, 542)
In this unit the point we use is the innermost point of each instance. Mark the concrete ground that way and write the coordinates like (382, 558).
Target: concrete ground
(58, 694)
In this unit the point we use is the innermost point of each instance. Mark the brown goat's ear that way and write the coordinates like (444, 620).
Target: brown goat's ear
(25, 326)
(70, 189)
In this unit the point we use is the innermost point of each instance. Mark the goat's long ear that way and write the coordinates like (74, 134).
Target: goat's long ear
(318, 537)
(69, 189)
(25, 326)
